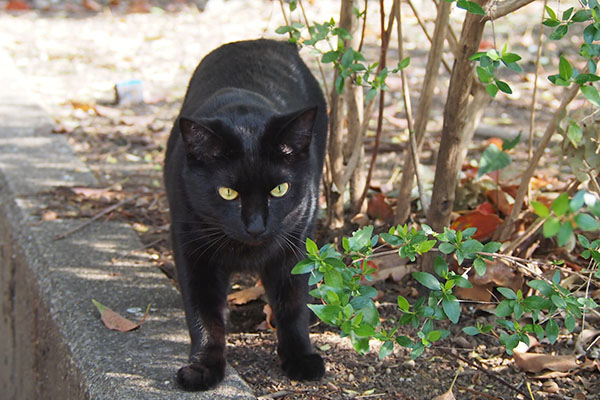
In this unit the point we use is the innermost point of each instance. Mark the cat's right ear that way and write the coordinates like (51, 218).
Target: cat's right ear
(200, 141)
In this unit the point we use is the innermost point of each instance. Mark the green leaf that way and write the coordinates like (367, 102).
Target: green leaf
(569, 322)
(508, 293)
(558, 301)
(480, 266)
(311, 247)
(303, 267)
(567, 13)
(492, 90)
(504, 87)
(404, 341)
(581, 15)
(470, 6)
(440, 266)
(446, 248)
(536, 302)
(403, 304)
(565, 69)
(386, 349)
(404, 63)
(425, 246)
(586, 222)
(565, 233)
(551, 227)
(492, 159)
(511, 58)
(427, 280)
(284, 29)
(542, 286)
(589, 33)
(504, 309)
(509, 144)
(550, 12)
(540, 209)
(551, 330)
(470, 330)
(574, 134)
(492, 247)
(591, 93)
(326, 312)
(559, 32)
(451, 307)
(339, 84)
(330, 56)
(484, 75)
(560, 205)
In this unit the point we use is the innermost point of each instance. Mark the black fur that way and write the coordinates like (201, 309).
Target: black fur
(253, 117)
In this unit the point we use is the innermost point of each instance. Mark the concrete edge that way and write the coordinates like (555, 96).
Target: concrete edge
(52, 342)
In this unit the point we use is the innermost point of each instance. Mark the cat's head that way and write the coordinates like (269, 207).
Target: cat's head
(252, 178)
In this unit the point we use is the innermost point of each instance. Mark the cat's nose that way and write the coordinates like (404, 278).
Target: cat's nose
(256, 225)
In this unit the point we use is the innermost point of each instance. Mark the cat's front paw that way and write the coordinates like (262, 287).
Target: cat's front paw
(307, 367)
(200, 375)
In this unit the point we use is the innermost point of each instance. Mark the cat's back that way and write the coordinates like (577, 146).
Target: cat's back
(269, 68)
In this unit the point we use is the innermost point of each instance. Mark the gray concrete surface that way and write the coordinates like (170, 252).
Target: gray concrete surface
(53, 344)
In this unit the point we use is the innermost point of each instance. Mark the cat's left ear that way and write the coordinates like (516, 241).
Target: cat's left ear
(293, 132)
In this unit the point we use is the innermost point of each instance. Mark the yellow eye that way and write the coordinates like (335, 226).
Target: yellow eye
(280, 190)
(227, 193)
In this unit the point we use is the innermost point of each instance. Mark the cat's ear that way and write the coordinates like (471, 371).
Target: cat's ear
(200, 141)
(294, 131)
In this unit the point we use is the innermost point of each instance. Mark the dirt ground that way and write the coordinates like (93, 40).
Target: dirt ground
(74, 53)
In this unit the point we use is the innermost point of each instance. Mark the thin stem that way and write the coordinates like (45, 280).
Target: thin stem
(364, 27)
(385, 37)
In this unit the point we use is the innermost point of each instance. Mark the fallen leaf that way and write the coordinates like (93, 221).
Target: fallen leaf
(115, 321)
(267, 323)
(536, 362)
(379, 208)
(495, 141)
(499, 274)
(17, 5)
(140, 6)
(485, 223)
(475, 293)
(502, 200)
(394, 273)
(550, 387)
(49, 216)
(245, 296)
(92, 5)
(445, 396)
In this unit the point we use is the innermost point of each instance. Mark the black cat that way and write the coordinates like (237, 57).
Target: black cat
(242, 173)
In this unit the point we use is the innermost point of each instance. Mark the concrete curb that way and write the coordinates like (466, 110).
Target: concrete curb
(52, 342)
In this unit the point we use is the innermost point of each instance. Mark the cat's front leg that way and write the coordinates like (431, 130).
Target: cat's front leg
(288, 294)
(204, 296)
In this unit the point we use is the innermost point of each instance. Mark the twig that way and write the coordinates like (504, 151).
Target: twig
(385, 38)
(364, 27)
(478, 393)
(96, 217)
(325, 86)
(424, 29)
(285, 18)
(275, 395)
(589, 171)
(408, 108)
(568, 96)
(535, 83)
(472, 364)
(528, 232)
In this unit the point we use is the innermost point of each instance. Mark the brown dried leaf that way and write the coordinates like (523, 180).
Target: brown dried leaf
(246, 295)
(266, 324)
(379, 208)
(115, 321)
(49, 216)
(536, 362)
(445, 396)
